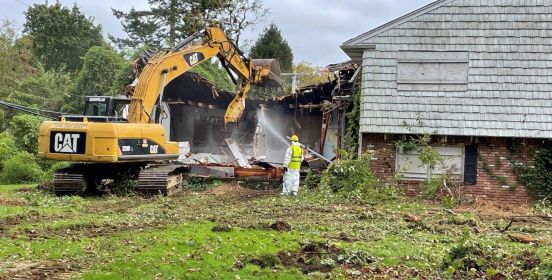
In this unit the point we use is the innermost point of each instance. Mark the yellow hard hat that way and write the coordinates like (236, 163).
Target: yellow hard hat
(294, 138)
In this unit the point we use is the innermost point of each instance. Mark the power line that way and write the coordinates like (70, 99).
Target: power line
(22, 3)
(36, 86)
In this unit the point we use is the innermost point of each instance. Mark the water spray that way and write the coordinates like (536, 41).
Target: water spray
(269, 127)
(312, 151)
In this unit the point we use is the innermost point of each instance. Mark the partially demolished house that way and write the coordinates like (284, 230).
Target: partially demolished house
(476, 74)
(195, 119)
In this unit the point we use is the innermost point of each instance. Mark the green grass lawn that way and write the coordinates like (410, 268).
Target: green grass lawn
(176, 237)
(12, 188)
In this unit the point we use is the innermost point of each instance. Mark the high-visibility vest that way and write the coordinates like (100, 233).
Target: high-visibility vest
(296, 154)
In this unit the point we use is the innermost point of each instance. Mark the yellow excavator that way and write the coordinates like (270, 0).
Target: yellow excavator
(106, 145)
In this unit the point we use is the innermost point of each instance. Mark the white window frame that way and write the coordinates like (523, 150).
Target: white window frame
(428, 171)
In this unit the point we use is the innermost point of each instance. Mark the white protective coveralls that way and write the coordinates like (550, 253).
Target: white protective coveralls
(291, 178)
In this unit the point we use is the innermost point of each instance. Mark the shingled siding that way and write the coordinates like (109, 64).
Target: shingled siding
(509, 86)
(494, 160)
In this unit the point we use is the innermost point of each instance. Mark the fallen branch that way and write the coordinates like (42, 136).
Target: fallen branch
(522, 238)
(450, 212)
(512, 220)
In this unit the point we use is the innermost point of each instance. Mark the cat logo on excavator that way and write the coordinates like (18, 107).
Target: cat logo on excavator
(194, 58)
(67, 142)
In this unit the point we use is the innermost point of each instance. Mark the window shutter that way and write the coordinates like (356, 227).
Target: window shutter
(470, 165)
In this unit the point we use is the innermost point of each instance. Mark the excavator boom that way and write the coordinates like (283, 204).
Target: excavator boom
(161, 70)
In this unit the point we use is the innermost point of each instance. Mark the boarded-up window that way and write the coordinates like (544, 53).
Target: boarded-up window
(432, 71)
(408, 164)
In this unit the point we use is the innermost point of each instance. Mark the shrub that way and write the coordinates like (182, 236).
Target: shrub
(312, 181)
(349, 176)
(24, 128)
(21, 168)
(7, 147)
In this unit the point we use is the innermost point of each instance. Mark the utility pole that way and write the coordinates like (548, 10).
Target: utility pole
(294, 80)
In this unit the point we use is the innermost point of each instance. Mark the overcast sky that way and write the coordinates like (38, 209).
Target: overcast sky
(314, 28)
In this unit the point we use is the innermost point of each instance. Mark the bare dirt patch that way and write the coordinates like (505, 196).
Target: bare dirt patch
(235, 190)
(493, 209)
(11, 202)
(31, 216)
(323, 257)
(51, 269)
(396, 273)
(280, 226)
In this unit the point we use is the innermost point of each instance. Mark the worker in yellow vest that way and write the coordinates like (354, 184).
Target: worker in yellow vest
(292, 165)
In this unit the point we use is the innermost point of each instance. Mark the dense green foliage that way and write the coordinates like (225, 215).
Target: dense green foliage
(168, 21)
(215, 74)
(61, 35)
(7, 147)
(353, 126)
(97, 76)
(271, 44)
(22, 167)
(538, 177)
(24, 128)
(353, 178)
(43, 89)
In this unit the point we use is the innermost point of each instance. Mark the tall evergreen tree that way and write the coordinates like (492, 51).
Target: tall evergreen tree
(61, 36)
(168, 21)
(271, 44)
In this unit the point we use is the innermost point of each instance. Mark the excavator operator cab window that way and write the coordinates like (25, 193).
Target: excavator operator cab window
(119, 108)
(96, 106)
(115, 108)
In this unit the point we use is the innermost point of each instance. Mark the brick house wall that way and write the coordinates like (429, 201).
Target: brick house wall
(494, 164)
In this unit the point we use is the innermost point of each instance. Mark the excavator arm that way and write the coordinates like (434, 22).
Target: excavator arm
(161, 70)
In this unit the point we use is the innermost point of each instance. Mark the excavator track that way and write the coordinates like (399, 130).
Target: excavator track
(163, 179)
(68, 182)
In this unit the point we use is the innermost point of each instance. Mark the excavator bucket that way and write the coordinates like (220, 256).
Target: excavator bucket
(269, 72)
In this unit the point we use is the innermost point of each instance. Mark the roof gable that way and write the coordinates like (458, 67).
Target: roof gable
(354, 47)
(382, 28)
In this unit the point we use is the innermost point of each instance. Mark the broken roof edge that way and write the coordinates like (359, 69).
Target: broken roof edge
(353, 43)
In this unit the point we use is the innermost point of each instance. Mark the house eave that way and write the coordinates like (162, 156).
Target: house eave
(356, 52)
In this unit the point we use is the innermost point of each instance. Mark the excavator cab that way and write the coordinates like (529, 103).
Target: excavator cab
(103, 109)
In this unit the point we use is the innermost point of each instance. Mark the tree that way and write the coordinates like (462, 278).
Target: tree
(23, 80)
(43, 89)
(15, 59)
(271, 44)
(168, 21)
(61, 36)
(99, 73)
(310, 74)
(239, 15)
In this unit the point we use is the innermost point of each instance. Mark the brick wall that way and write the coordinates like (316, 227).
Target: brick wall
(495, 178)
